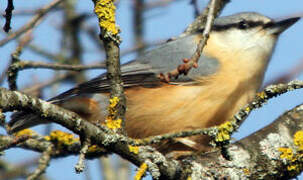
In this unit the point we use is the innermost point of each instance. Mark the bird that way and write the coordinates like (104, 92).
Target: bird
(229, 73)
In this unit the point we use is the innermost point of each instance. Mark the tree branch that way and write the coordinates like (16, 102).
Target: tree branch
(239, 166)
(261, 155)
(200, 21)
(43, 163)
(105, 10)
(211, 13)
(113, 142)
(21, 65)
(8, 15)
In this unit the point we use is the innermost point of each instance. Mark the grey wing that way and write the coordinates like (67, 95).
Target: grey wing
(101, 84)
(168, 56)
(145, 69)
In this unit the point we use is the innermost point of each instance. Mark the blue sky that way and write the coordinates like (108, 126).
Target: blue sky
(161, 23)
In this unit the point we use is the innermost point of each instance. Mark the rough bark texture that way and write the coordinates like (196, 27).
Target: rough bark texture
(273, 152)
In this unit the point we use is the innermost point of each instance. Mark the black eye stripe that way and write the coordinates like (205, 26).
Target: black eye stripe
(248, 24)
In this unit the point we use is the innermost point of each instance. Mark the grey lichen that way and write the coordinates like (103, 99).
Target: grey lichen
(270, 145)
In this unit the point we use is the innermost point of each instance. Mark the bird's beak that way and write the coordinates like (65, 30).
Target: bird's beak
(280, 26)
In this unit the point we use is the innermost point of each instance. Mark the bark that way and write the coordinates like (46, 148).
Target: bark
(273, 152)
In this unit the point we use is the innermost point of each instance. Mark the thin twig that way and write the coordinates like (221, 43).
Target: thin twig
(153, 168)
(160, 138)
(31, 24)
(200, 21)
(20, 170)
(81, 162)
(15, 142)
(43, 163)
(21, 65)
(193, 61)
(39, 143)
(12, 72)
(261, 98)
(24, 41)
(210, 20)
(18, 65)
(8, 15)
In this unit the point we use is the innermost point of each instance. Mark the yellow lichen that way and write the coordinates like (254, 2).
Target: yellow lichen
(95, 149)
(141, 171)
(247, 109)
(286, 153)
(110, 122)
(113, 102)
(47, 138)
(133, 149)
(188, 178)
(62, 138)
(26, 132)
(246, 171)
(298, 140)
(294, 157)
(113, 124)
(261, 94)
(293, 167)
(105, 10)
(224, 131)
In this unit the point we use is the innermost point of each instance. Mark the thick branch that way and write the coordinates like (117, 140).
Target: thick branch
(113, 142)
(258, 156)
(247, 156)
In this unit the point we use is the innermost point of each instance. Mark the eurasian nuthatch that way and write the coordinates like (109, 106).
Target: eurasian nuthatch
(230, 71)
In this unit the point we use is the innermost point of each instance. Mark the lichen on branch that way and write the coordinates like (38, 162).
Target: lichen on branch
(106, 11)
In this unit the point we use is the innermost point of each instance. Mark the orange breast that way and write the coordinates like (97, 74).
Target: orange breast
(173, 108)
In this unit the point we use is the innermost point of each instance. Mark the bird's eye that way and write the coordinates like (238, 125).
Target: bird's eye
(243, 25)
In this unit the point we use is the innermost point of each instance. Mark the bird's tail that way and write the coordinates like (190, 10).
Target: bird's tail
(23, 120)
